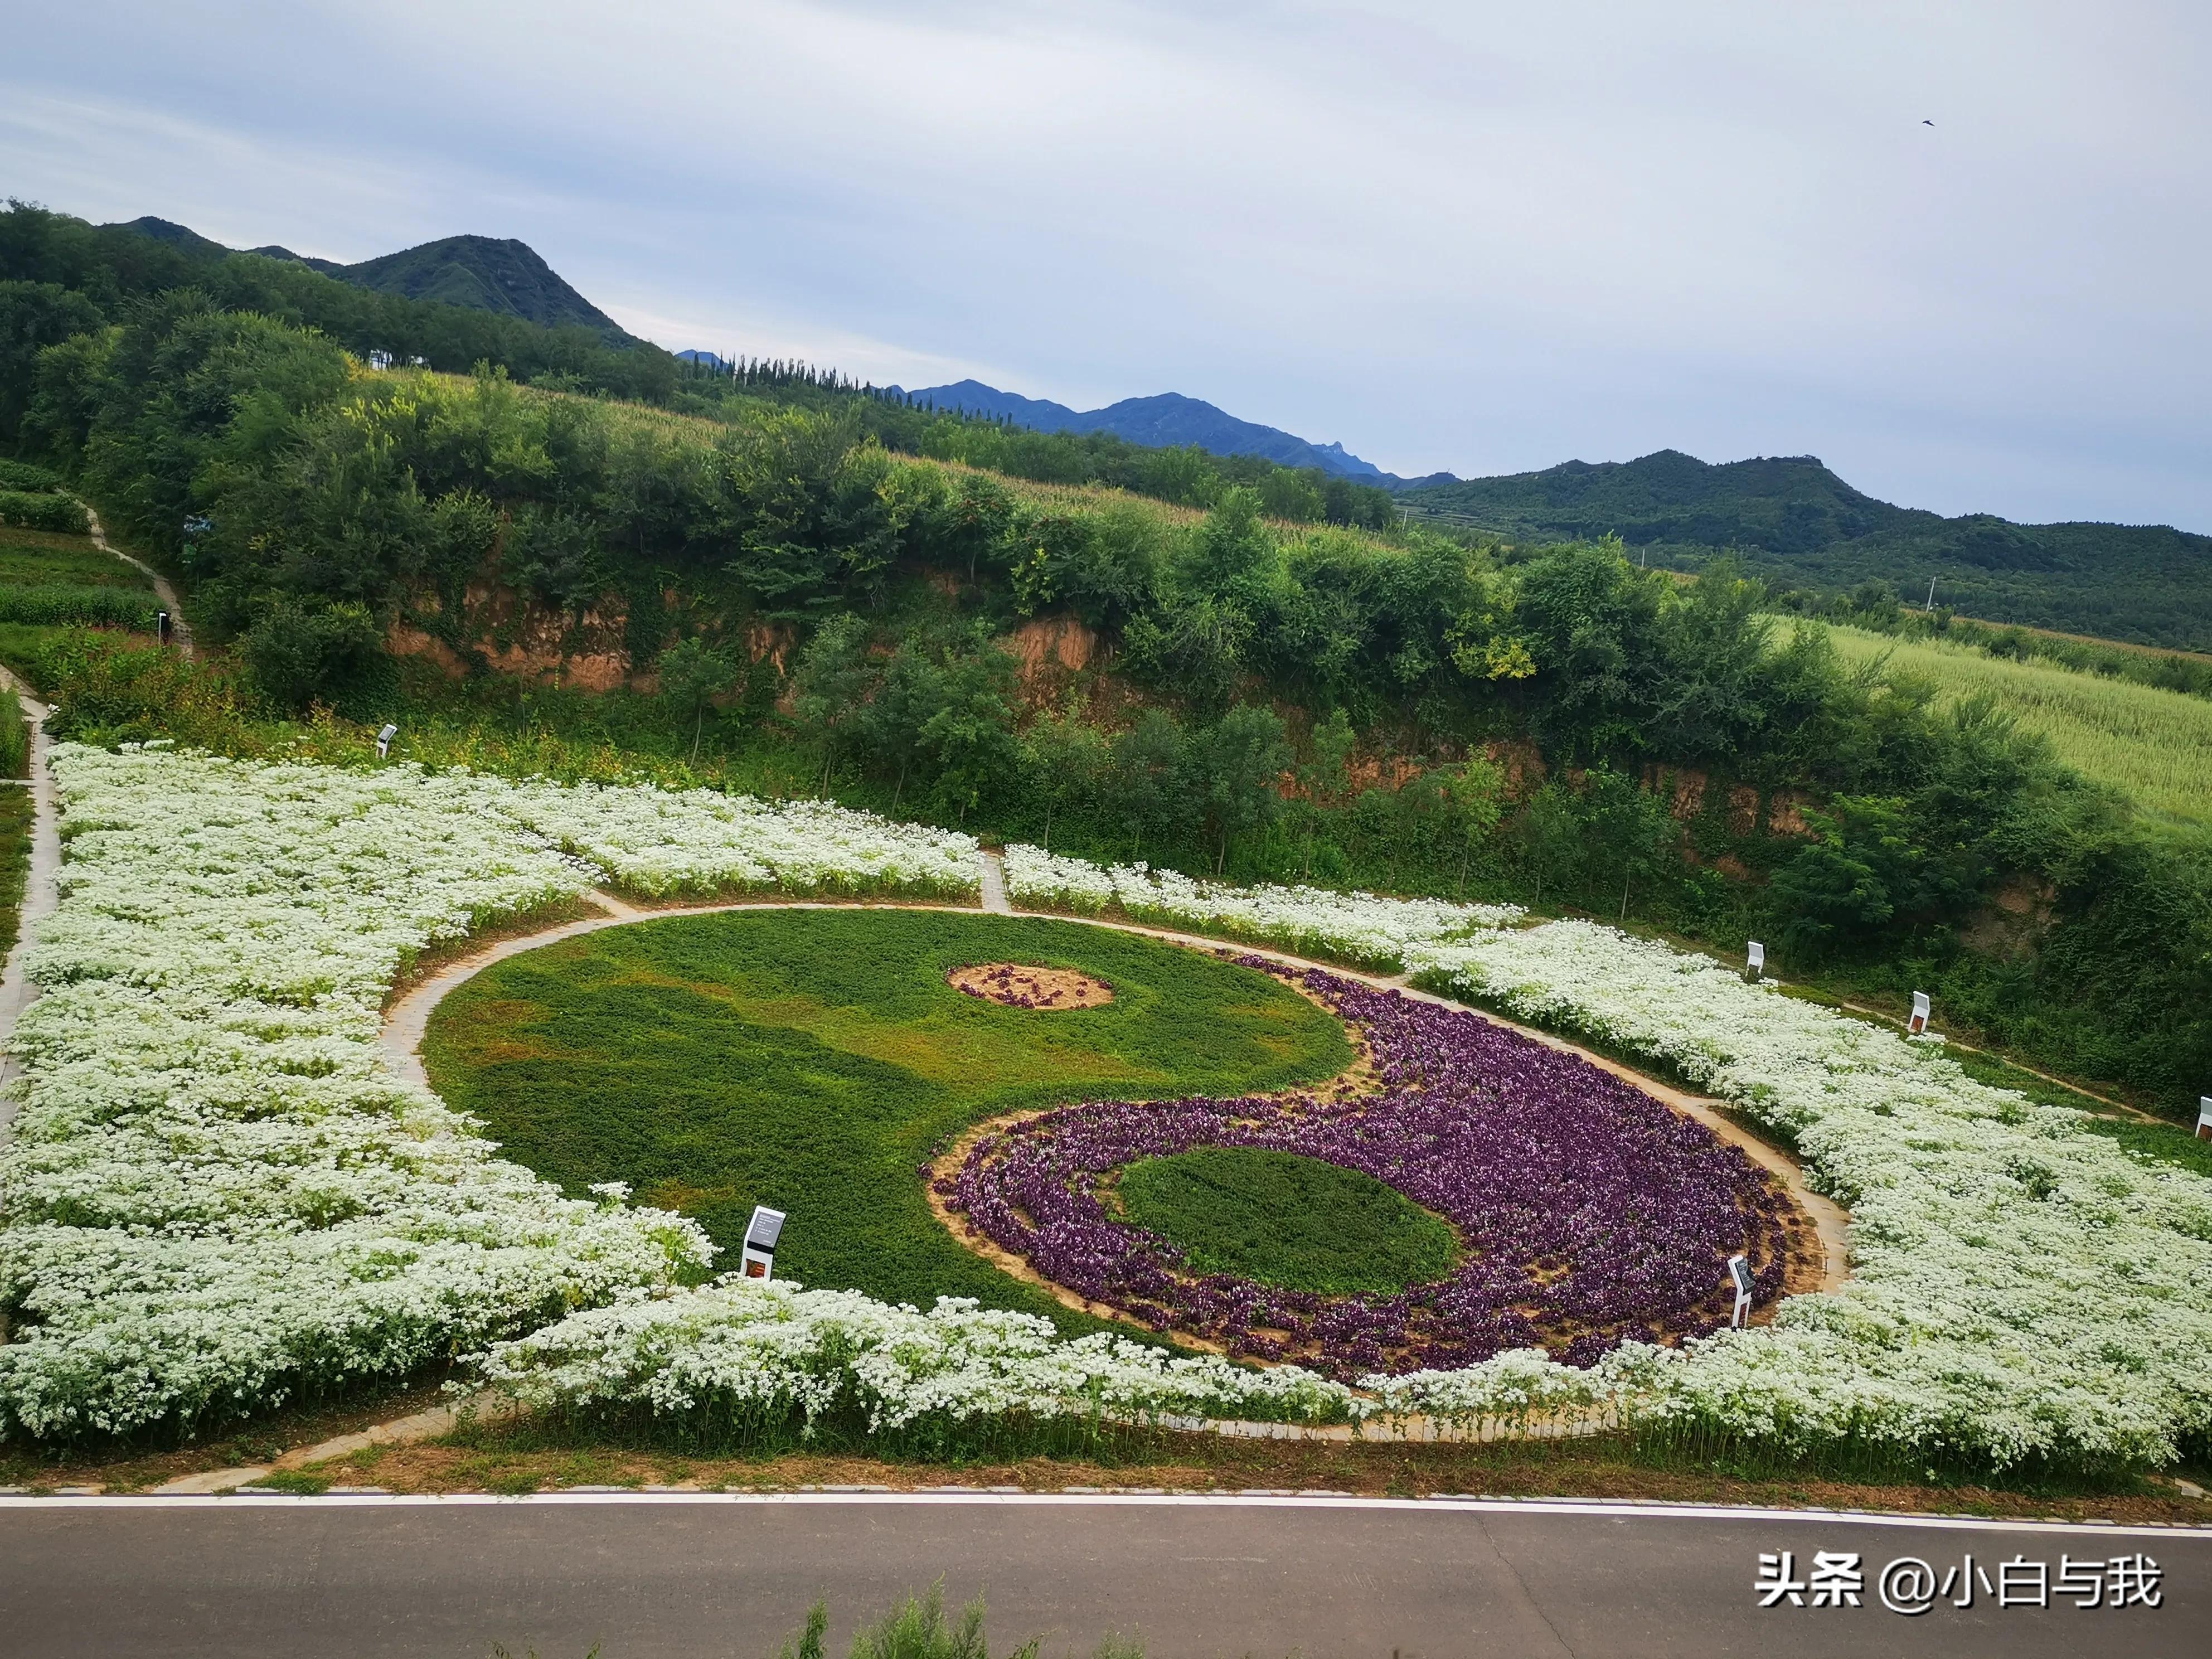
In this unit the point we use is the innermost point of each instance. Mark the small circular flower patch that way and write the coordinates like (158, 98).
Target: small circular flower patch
(1590, 1213)
(1020, 986)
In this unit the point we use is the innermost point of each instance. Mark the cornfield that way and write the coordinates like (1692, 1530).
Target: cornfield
(2155, 745)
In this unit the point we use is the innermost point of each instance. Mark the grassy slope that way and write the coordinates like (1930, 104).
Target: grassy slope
(32, 561)
(812, 1060)
(2155, 745)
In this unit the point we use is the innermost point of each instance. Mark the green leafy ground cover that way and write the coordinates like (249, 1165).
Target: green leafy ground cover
(49, 581)
(814, 1060)
(14, 859)
(1287, 1220)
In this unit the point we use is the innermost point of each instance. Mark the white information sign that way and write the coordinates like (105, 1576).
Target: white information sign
(2205, 1117)
(383, 741)
(1758, 960)
(1740, 1274)
(1919, 1021)
(762, 1232)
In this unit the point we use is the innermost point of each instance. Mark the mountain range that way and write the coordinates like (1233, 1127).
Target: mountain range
(481, 273)
(1166, 419)
(1790, 518)
(1794, 522)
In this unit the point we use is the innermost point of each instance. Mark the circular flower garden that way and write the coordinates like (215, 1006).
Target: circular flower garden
(1018, 985)
(1587, 1213)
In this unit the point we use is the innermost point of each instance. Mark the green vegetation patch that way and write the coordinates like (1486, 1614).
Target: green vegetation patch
(2154, 745)
(38, 558)
(2168, 1143)
(814, 1060)
(15, 817)
(1283, 1220)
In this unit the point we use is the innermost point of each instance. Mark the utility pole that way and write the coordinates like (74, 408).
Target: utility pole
(1930, 605)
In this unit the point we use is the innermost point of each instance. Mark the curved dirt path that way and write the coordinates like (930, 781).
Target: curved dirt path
(181, 631)
(40, 888)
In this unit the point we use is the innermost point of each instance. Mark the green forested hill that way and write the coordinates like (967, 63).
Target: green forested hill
(475, 273)
(1798, 524)
(485, 273)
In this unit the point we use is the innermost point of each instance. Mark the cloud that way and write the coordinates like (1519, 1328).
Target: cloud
(1473, 236)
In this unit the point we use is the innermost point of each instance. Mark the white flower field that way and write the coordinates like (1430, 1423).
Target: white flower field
(217, 1198)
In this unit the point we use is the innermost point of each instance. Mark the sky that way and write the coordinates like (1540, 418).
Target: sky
(1467, 236)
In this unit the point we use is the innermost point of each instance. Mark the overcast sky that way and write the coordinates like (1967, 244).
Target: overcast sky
(1473, 236)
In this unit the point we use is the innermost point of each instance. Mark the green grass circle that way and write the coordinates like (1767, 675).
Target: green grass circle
(813, 1059)
(1284, 1219)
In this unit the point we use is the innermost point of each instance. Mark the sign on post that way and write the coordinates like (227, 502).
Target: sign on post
(1919, 1021)
(1757, 971)
(758, 1257)
(162, 627)
(383, 741)
(2205, 1117)
(1739, 1273)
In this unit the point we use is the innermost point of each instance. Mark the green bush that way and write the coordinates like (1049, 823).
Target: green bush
(58, 605)
(29, 511)
(22, 475)
(302, 652)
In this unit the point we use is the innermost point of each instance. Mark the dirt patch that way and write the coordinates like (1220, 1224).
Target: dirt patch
(1018, 986)
(1609, 1466)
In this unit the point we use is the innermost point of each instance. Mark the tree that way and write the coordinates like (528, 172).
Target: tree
(1476, 789)
(830, 687)
(1241, 763)
(302, 652)
(1627, 830)
(1065, 757)
(1146, 781)
(1548, 834)
(691, 677)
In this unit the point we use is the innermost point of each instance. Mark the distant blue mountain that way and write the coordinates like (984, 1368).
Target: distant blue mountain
(712, 360)
(1160, 421)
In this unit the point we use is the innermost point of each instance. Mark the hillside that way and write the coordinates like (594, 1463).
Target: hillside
(2153, 744)
(1798, 524)
(485, 273)
(1166, 420)
(478, 273)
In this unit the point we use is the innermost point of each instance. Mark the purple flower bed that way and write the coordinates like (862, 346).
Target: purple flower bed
(1591, 1214)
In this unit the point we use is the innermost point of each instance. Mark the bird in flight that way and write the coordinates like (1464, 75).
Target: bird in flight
(1927, 124)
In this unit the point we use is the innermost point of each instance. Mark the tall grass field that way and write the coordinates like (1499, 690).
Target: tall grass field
(2155, 745)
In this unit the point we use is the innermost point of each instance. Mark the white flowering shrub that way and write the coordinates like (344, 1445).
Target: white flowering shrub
(1352, 926)
(660, 842)
(215, 1196)
(741, 1350)
(2022, 1287)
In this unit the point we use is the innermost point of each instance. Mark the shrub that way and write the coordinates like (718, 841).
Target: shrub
(26, 510)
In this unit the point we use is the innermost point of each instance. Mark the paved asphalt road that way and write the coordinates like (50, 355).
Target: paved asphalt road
(709, 1577)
